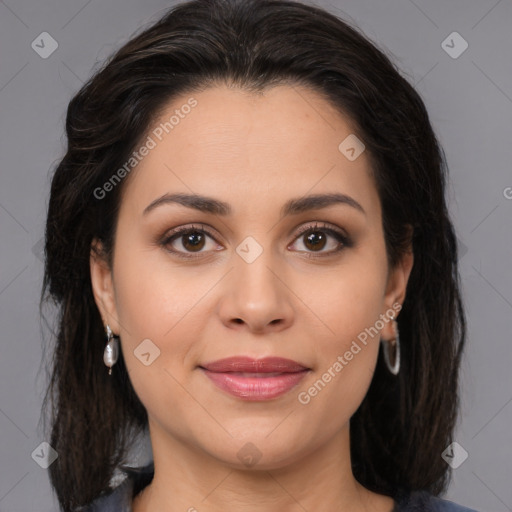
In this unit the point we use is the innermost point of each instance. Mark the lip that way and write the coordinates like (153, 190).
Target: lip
(255, 379)
(248, 364)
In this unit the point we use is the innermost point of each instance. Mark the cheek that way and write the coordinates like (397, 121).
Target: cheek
(347, 350)
(153, 303)
(151, 294)
(158, 321)
(353, 296)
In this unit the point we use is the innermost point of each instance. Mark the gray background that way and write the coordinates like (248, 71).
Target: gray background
(470, 102)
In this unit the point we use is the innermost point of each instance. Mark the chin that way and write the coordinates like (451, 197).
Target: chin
(259, 452)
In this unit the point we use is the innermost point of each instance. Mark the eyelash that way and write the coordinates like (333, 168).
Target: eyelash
(322, 227)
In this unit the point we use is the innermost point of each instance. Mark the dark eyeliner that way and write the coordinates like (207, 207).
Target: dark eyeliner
(343, 239)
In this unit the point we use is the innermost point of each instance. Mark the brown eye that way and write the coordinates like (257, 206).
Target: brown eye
(185, 241)
(316, 237)
(315, 240)
(189, 241)
(193, 241)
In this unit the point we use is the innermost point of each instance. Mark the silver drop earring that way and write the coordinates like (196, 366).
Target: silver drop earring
(111, 352)
(389, 346)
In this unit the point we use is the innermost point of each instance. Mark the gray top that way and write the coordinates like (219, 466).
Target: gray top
(120, 498)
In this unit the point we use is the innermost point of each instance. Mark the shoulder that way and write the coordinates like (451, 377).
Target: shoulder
(120, 498)
(116, 500)
(422, 501)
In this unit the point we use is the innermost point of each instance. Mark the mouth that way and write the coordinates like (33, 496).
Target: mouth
(255, 379)
(244, 364)
(258, 375)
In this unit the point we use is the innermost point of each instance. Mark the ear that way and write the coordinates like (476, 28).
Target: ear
(396, 287)
(103, 287)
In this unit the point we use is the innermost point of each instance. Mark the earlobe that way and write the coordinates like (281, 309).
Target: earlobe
(102, 286)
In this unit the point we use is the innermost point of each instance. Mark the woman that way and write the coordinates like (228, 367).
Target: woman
(249, 244)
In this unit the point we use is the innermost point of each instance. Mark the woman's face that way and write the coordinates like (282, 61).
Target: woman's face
(250, 285)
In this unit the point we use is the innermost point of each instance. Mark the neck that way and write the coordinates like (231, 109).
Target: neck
(188, 479)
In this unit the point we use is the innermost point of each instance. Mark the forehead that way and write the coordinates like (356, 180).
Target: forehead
(249, 149)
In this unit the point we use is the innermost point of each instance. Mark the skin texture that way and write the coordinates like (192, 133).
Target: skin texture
(255, 152)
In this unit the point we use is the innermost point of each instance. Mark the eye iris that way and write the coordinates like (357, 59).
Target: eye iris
(192, 238)
(311, 240)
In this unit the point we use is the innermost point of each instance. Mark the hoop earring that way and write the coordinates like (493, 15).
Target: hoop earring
(393, 345)
(111, 352)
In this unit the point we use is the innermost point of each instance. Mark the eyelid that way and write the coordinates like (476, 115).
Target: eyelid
(334, 231)
(181, 230)
(320, 225)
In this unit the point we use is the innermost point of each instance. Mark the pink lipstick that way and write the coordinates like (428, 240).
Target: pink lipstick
(255, 379)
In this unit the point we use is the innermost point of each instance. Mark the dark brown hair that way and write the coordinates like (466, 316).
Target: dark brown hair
(404, 422)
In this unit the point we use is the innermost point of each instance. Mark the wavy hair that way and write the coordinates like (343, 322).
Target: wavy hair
(404, 422)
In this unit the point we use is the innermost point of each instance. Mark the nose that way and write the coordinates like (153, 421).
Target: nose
(256, 297)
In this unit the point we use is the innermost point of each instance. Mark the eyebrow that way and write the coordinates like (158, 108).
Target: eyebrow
(291, 207)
